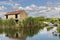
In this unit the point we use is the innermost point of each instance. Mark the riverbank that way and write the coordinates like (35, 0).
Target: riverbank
(30, 22)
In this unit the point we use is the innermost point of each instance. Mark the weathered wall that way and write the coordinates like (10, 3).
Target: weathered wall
(11, 16)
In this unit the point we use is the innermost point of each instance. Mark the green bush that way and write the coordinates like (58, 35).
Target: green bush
(31, 22)
(9, 23)
(58, 29)
(1, 22)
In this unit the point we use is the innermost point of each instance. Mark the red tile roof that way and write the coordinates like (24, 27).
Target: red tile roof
(15, 12)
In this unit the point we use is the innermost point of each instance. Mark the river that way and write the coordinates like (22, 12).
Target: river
(42, 34)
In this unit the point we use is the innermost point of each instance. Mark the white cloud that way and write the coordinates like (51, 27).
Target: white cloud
(10, 3)
(46, 11)
(2, 14)
(51, 10)
(14, 5)
(2, 8)
(20, 8)
(28, 8)
(33, 6)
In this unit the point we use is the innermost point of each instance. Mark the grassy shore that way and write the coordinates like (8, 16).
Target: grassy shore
(29, 22)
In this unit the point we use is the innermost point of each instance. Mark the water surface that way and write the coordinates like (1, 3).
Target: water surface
(35, 34)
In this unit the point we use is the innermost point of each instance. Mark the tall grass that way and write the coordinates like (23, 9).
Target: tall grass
(8, 23)
(58, 28)
(1, 22)
(29, 22)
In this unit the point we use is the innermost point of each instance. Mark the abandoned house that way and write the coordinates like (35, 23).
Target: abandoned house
(17, 15)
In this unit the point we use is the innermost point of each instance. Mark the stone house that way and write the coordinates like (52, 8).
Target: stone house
(17, 15)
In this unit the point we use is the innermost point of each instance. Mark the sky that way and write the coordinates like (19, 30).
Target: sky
(46, 8)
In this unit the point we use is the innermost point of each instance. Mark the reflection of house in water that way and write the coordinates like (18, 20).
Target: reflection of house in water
(22, 33)
(17, 15)
(17, 36)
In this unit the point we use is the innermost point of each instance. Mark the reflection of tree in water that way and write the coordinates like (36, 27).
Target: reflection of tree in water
(31, 31)
(21, 33)
(1, 31)
(14, 33)
(57, 32)
(49, 28)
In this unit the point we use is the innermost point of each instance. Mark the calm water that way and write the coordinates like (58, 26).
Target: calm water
(41, 34)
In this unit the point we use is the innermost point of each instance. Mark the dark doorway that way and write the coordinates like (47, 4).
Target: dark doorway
(16, 15)
(6, 16)
(16, 35)
(16, 21)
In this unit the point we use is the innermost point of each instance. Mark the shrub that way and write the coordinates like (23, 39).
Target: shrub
(1, 22)
(58, 28)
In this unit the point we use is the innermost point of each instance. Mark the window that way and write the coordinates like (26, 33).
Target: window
(6, 16)
(16, 15)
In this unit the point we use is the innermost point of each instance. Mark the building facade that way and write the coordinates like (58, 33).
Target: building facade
(17, 15)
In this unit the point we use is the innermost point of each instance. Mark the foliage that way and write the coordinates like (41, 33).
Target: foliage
(52, 20)
(1, 22)
(31, 22)
(9, 23)
(48, 29)
(58, 28)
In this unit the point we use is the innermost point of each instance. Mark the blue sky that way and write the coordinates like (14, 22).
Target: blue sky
(24, 3)
(33, 7)
(29, 2)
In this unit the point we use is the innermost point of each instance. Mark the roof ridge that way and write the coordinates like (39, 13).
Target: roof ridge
(15, 12)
